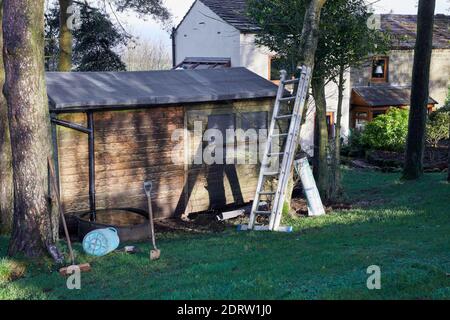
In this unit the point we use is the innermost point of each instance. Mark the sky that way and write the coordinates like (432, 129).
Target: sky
(152, 30)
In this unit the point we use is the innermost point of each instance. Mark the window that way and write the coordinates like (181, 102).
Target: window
(254, 120)
(276, 64)
(361, 119)
(330, 124)
(218, 141)
(254, 124)
(380, 69)
(378, 113)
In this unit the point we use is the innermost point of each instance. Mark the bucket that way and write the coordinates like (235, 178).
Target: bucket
(101, 242)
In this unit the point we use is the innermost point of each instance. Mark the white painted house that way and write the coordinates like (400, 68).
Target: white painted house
(217, 33)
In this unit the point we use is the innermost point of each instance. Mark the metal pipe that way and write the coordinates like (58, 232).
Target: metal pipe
(70, 125)
(174, 50)
(92, 204)
(90, 132)
(55, 147)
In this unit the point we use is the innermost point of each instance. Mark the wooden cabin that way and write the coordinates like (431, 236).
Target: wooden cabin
(113, 131)
(369, 102)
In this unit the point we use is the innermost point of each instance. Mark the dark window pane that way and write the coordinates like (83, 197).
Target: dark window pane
(379, 68)
(377, 113)
(221, 122)
(278, 64)
(254, 120)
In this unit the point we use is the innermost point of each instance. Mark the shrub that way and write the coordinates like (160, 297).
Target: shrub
(388, 131)
(354, 147)
(447, 102)
(437, 126)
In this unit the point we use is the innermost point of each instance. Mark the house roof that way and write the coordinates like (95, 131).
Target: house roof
(404, 28)
(204, 63)
(233, 12)
(381, 96)
(77, 91)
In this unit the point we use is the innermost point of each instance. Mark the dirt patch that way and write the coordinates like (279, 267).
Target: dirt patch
(207, 222)
(300, 206)
(202, 222)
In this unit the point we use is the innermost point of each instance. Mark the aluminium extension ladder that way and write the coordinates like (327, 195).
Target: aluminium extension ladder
(294, 103)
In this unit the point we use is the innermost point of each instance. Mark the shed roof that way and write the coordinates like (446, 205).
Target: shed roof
(76, 91)
(381, 96)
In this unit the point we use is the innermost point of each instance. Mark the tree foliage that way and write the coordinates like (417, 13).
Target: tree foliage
(96, 42)
(51, 38)
(154, 8)
(345, 39)
(437, 127)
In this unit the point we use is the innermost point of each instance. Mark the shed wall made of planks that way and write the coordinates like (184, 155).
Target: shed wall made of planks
(211, 187)
(130, 146)
(136, 145)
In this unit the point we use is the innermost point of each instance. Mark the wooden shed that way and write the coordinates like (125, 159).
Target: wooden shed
(112, 131)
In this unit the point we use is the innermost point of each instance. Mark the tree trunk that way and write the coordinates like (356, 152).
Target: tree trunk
(310, 33)
(65, 38)
(335, 188)
(419, 91)
(307, 50)
(25, 92)
(320, 138)
(448, 169)
(6, 174)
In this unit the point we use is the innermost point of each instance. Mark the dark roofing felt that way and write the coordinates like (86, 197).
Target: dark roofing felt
(70, 91)
(403, 30)
(204, 63)
(233, 12)
(378, 96)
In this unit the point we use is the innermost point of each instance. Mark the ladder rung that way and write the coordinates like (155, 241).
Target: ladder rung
(244, 227)
(287, 229)
(276, 154)
(271, 173)
(263, 213)
(280, 135)
(287, 99)
(292, 81)
(266, 193)
(285, 116)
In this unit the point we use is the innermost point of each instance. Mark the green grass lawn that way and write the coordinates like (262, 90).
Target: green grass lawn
(403, 227)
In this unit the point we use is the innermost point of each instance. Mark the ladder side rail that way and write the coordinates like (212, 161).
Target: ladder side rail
(290, 149)
(300, 105)
(268, 147)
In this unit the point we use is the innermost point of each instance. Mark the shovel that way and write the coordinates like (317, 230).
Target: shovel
(155, 253)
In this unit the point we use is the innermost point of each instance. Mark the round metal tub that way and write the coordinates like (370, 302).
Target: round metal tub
(131, 224)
